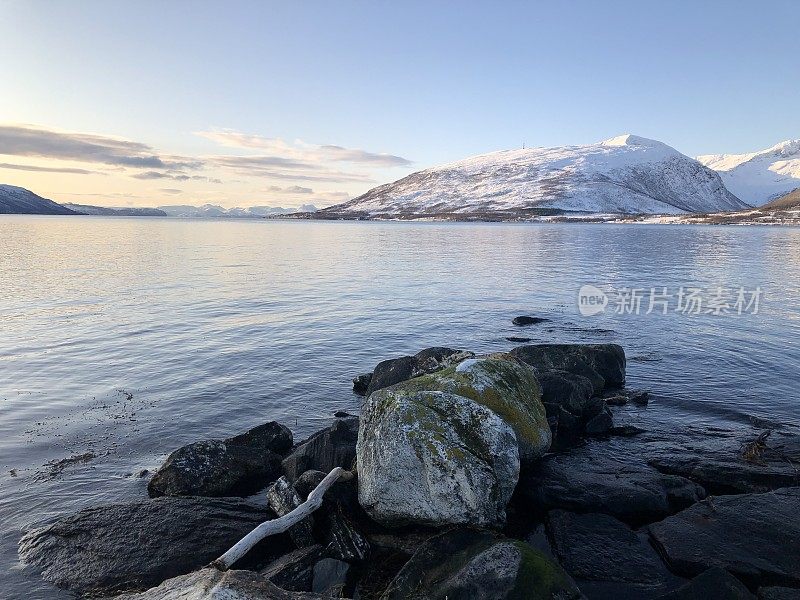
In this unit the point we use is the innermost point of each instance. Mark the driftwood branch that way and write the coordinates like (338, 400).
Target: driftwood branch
(281, 524)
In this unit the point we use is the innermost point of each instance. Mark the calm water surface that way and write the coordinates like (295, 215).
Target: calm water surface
(127, 338)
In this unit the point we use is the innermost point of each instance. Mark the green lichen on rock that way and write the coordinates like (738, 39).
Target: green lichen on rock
(503, 385)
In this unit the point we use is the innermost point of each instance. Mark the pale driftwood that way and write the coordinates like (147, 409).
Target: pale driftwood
(281, 524)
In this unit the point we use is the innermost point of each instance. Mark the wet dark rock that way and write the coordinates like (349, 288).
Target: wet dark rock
(342, 493)
(572, 392)
(598, 547)
(526, 320)
(332, 447)
(330, 577)
(392, 371)
(237, 466)
(753, 536)
(294, 571)
(474, 564)
(602, 364)
(626, 430)
(344, 541)
(594, 478)
(640, 398)
(519, 340)
(219, 585)
(713, 584)
(282, 499)
(361, 383)
(617, 400)
(778, 593)
(600, 424)
(721, 465)
(131, 547)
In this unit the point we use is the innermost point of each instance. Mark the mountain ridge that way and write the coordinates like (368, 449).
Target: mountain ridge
(623, 174)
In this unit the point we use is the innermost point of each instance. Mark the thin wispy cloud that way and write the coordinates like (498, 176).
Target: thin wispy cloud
(36, 169)
(176, 176)
(303, 151)
(272, 167)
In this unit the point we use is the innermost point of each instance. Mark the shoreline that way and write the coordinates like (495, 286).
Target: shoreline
(612, 428)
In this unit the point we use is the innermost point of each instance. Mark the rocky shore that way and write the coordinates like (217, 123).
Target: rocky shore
(528, 474)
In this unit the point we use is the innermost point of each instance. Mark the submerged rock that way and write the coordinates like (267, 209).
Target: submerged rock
(506, 387)
(434, 458)
(237, 466)
(523, 320)
(212, 584)
(754, 536)
(326, 449)
(593, 478)
(723, 465)
(470, 564)
(598, 547)
(713, 584)
(395, 370)
(123, 547)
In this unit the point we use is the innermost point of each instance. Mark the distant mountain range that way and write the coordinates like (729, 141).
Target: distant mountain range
(759, 177)
(626, 174)
(17, 200)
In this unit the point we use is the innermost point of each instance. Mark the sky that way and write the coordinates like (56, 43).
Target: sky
(150, 103)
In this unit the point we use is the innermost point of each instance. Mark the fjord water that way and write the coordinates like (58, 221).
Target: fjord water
(128, 337)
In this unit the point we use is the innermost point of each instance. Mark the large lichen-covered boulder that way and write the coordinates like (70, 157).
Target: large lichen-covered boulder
(470, 564)
(603, 364)
(506, 387)
(434, 458)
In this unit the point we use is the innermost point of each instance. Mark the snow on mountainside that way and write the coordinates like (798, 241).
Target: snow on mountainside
(19, 201)
(625, 174)
(761, 176)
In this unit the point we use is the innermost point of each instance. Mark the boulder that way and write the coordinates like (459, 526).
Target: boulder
(344, 541)
(237, 466)
(361, 383)
(753, 536)
(598, 547)
(392, 371)
(294, 571)
(212, 584)
(332, 447)
(282, 498)
(330, 577)
(503, 385)
(523, 320)
(125, 547)
(434, 458)
(471, 564)
(597, 478)
(713, 584)
(602, 364)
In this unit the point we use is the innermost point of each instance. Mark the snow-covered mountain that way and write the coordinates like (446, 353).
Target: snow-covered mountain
(625, 174)
(19, 201)
(212, 210)
(123, 211)
(790, 201)
(761, 176)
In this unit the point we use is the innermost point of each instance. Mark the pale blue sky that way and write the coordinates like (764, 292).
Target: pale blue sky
(426, 81)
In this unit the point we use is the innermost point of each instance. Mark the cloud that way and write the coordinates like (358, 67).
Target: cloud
(303, 151)
(48, 169)
(174, 175)
(293, 189)
(285, 169)
(27, 140)
(171, 191)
